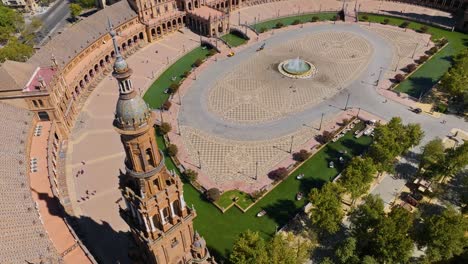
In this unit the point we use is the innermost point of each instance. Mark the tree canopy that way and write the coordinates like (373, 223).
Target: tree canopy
(327, 212)
(281, 249)
(392, 140)
(455, 80)
(75, 10)
(10, 22)
(357, 177)
(384, 238)
(432, 156)
(249, 248)
(444, 235)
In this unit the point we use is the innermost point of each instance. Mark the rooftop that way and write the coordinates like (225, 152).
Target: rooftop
(23, 237)
(15, 75)
(74, 39)
(206, 12)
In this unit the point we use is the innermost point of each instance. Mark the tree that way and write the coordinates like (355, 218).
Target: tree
(391, 242)
(432, 157)
(10, 22)
(165, 128)
(190, 175)
(327, 260)
(325, 137)
(399, 78)
(296, 22)
(172, 150)
(365, 217)
(411, 67)
(278, 174)
(456, 159)
(444, 235)
(302, 155)
(392, 140)
(405, 24)
(166, 105)
(357, 177)
(346, 252)
(15, 50)
(173, 88)
(198, 62)
(213, 194)
(423, 59)
(279, 25)
(75, 10)
(383, 237)
(314, 19)
(249, 248)
(365, 17)
(455, 80)
(386, 21)
(86, 3)
(288, 249)
(327, 212)
(423, 29)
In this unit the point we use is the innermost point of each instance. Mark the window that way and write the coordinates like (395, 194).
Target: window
(34, 103)
(166, 214)
(168, 182)
(174, 242)
(149, 157)
(41, 104)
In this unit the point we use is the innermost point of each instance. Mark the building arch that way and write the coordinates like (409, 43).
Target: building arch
(159, 31)
(101, 63)
(189, 6)
(96, 67)
(86, 78)
(141, 35)
(179, 20)
(107, 59)
(196, 4)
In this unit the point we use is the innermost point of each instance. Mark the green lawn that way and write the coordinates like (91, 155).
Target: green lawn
(270, 24)
(155, 95)
(227, 198)
(430, 73)
(234, 40)
(221, 230)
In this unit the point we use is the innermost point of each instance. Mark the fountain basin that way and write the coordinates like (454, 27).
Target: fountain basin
(297, 69)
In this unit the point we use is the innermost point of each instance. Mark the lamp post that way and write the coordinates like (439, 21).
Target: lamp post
(415, 48)
(321, 120)
(256, 170)
(290, 148)
(199, 159)
(239, 17)
(359, 110)
(178, 127)
(398, 62)
(380, 75)
(347, 100)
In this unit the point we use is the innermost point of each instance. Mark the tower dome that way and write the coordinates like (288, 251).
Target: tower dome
(131, 113)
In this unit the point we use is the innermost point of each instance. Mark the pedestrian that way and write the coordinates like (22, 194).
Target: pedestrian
(87, 192)
(82, 171)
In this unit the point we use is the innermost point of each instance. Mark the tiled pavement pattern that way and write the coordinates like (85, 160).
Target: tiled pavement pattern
(228, 162)
(254, 91)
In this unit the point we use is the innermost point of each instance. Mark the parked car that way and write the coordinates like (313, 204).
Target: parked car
(331, 164)
(300, 176)
(417, 110)
(410, 199)
(230, 54)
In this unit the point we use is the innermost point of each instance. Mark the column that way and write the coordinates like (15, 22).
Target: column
(182, 201)
(162, 216)
(153, 228)
(172, 209)
(146, 224)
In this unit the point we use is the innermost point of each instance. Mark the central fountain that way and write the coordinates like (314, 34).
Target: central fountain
(297, 68)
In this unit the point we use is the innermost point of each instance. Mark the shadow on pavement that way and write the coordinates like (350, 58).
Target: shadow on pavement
(105, 244)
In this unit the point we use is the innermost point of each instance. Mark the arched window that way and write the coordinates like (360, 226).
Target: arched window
(149, 157)
(41, 104)
(34, 103)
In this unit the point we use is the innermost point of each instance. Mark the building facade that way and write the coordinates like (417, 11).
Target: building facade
(160, 221)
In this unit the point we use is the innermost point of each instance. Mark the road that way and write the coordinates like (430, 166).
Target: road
(363, 94)
(53, 19)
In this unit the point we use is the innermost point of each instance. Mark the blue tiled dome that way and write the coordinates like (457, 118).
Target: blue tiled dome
(131, 112)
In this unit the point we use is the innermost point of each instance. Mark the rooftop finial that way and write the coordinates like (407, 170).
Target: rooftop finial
(120, 65)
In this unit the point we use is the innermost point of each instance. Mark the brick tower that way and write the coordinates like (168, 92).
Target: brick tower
(160, 222)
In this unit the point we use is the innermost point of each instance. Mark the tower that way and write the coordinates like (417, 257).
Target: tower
(160, 222)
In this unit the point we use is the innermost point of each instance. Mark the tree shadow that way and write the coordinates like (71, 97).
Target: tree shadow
(281, 211)
(424, 17)
(456, 191)
(328, 245)
(104, 243)
(405, 171)
(307, 184)
(420, 85)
